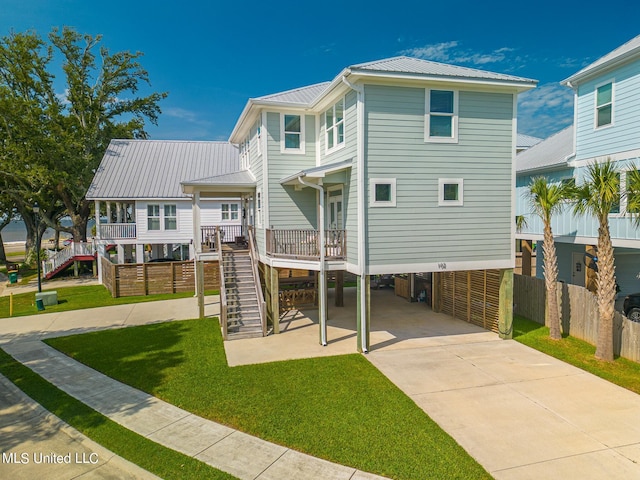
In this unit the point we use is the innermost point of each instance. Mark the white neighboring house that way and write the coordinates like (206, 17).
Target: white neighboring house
(148, 217)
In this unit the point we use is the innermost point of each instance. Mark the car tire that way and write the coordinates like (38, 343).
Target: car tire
(634, 314)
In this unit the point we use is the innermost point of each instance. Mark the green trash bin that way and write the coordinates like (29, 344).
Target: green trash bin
(13, 276)
(39, 304)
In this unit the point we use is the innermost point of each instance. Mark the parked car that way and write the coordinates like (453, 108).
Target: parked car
(631, 307)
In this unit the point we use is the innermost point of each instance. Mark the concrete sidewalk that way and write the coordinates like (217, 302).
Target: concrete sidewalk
(242, 455)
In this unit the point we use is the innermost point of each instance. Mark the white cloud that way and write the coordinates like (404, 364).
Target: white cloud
(451, 52)
(545, 110)
(181, 113)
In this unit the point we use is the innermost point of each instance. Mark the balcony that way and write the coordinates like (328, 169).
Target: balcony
(117, 231)
(305, 244)
(229, 234)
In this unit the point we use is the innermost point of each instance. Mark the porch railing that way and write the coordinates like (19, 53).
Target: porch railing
(253, 253)
(59, 259)
(305, 244)
(228, 234)
(117, 230)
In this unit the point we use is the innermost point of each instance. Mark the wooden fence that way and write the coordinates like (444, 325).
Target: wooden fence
(579, 314)
(473, 296)
(132, 279)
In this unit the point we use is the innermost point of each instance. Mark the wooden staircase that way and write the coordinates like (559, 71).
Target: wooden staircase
(75, 251)
(243, 306)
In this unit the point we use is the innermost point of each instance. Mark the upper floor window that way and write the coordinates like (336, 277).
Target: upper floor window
(604, 105)
(244, 153)
(153, 217)
(170, 218)
(441, 124)
(259, 138)
(230, 211)
(334, 121)
(292, 131)
(383, 192)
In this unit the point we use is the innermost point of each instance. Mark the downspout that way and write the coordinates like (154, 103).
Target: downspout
(362, 270)
(322, 302)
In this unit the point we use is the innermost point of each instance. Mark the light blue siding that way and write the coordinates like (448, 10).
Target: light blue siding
(624, 134)
(417, 229)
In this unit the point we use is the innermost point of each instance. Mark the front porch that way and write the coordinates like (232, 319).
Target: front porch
(305, 244)
(395, 324)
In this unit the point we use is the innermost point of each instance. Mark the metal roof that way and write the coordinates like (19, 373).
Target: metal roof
(133, 169)
(410, 65)
(621, 53)
(299, 95)
(551, 152)
(243, 177)
(526, 141)
(317, 172)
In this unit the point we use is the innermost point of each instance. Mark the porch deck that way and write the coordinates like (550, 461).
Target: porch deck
(305, 244)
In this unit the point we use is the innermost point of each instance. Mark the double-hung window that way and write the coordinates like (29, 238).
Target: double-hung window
(170, 218)
(292, 133)
(334, 121)
(441, 123)
(230, 211)
(153, 217)
(604, 105)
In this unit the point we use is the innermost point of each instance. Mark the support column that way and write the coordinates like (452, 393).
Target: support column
(363, 314)
(101, 254)
(139, 253)
(435, 292)
(505, 315)
(120, 249)
(340, 288)
(109, 212)
(97, 215)
(412, 287)
(322, 306)
(118, 212)
(197, 237)
(200, 287)
(275, 299)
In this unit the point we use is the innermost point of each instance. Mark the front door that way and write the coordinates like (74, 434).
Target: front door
(335, 217)
(578, 274)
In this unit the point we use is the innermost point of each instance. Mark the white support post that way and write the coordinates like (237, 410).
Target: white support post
(97, 214)
(139, 253)
(108, 212)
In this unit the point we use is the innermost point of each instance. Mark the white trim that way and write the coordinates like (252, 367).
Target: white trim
(372, 191)
(266, 217)
(616, 242)
(230, 211)
(301, 149)
(427, 117)
(595, 104)
(514, 149)
(450, 181)
(440, 266)
(318, 133)
(615, 157)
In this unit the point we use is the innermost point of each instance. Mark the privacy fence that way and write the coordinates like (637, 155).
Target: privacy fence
(579, 313)
(132, 279)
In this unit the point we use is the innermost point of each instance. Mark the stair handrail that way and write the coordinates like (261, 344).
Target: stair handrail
(67, 253)
(253, 254)
(223, 291)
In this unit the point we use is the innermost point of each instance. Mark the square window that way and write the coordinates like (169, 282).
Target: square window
(383, 192)
(450, 191)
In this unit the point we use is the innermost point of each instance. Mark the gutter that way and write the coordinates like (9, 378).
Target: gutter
(322, 302)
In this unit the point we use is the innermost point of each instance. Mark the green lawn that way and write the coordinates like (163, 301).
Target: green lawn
(622, 372)
(151, 456)
(76, 298)
(338, 408)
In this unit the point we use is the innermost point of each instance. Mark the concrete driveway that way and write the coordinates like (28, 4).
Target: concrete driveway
(518, 412)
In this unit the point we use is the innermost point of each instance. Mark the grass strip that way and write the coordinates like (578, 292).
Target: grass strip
(338, 408)
(155, 458)
(622, 372)
(77, 298)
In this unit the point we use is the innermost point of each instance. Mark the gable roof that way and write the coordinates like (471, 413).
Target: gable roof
(526, 141)
(132, 169)
(551, 152)
(623, 53)
(418, 66)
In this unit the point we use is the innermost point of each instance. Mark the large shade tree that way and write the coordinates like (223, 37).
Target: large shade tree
(547, 199)
(598, 196)
(51, 142)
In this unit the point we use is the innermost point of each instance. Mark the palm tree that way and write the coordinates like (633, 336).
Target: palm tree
(598, 196)
(547, 199)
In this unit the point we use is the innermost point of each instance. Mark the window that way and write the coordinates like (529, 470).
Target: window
(170, 222)
(230, 211)
(441, 124)
(334, 122)
(383, 192)
(450, 191)
(604, 105)
(259, 207)
(292, 128)
(244, 153)
(153, 217)
(259, 138)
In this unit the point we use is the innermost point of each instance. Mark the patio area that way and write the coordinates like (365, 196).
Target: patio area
(395, 324)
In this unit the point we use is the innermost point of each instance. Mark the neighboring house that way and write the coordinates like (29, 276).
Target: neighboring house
(606, 125)
(141, 210)
(523, 142)
(398, 166)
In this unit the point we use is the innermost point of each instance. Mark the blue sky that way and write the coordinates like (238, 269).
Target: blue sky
(212, 56)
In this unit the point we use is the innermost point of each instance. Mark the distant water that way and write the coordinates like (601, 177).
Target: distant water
(17, 232)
